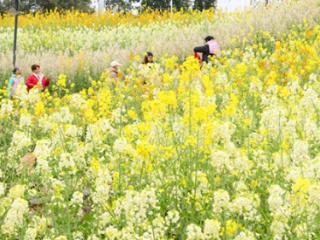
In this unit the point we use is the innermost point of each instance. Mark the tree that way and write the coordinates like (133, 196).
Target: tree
(48, 5)
(5, 6)
(81, 5)
(165, 4)
(204, 4)
(156, 4)
(119, 5)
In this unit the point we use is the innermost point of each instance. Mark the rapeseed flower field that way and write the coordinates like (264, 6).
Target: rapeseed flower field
(230, 150)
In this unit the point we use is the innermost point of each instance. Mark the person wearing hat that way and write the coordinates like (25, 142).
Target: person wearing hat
(211, 48)
(114, 70)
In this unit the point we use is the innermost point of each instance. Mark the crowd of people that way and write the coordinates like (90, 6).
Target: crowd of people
(36, 79)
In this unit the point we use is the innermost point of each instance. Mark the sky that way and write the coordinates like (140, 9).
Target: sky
(232, 5)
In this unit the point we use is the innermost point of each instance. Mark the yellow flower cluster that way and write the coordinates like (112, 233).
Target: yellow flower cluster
(69, 19)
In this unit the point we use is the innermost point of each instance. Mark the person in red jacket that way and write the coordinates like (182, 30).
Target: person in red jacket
(36, 79)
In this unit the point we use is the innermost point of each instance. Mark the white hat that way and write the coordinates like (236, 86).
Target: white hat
(115, 64)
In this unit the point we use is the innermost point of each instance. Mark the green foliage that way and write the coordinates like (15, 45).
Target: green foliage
(115, 5)
(204, 4)
(47, 5)
(166, 4)
(119, 5)
(82, 5)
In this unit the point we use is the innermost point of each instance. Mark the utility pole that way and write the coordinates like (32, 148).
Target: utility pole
(16, 17)
(171, 6)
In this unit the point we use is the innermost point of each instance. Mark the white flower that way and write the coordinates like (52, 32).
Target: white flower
(20, 140)
(300, 152)
(6, 108)
(219, 159)
(66, 162)
(173, 217)
(278, 229)
(42, 166)
(240, 186)
(302, 230)
(156, 230)
(25, 121)
(281, 160)
(194, 232)
(104, 219)
(40, 223)
(14, 218)
(246, 204)
(311, 129)
(314, 194)
(120, 145)
(77, 101)
(224, 131)
(17, 191)
(31, 234)
(78, 236)
(276, 197)
(43, 149)
(245, 236)
(211, 229)
(273, 120)
(102, 187)
(310, 100)
(64, 116)
(2, 189)
(61, 237)
(57, 187)
(137, 206)
(241, 164)
(72, 131)
(93, 237)
(111, 233)
(220, 200)
(77, 198)
(32, 98)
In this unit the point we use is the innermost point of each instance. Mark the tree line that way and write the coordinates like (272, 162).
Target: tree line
(162, 5)
(114, 5)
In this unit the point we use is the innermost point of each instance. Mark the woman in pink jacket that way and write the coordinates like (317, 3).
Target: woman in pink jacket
(210, 49)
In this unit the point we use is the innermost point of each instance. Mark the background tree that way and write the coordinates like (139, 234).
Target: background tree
(165, 4)
(119, 5)
(204, 4)
(48, 5)
(81, 5)
(4, 6)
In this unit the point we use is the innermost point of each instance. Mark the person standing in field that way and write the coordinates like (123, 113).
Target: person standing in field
(114, 69)
(14, 82)
(148, 63)
(210, 49)
(36, 79)
(148, 58)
